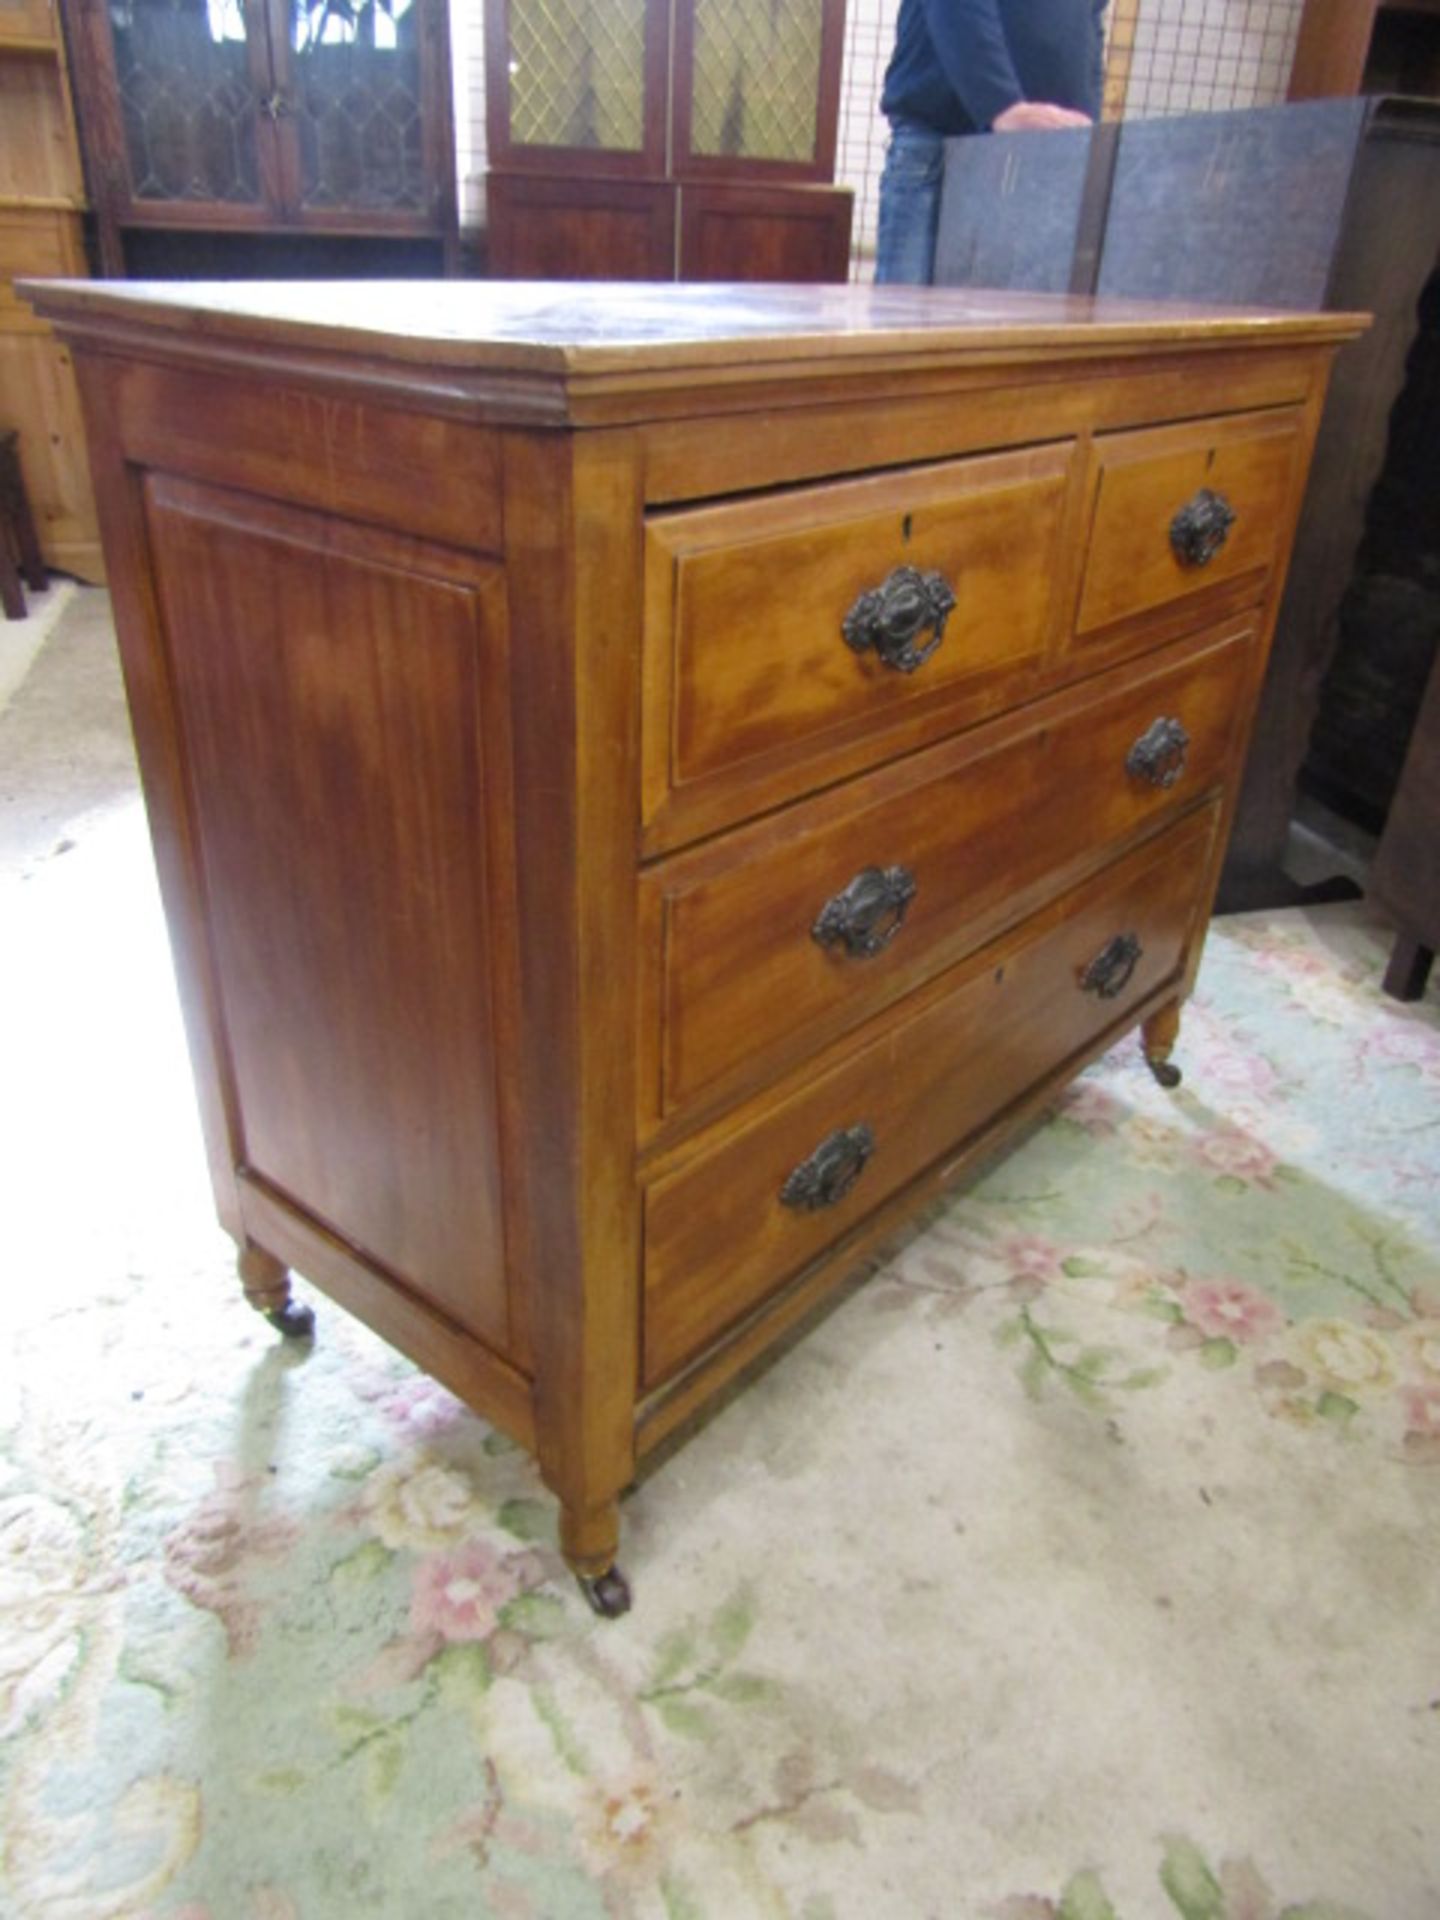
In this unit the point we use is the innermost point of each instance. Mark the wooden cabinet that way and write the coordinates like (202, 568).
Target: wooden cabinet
(42, 201)
(1367, 46)
(253, 118)
(640, 140)
(648, 788)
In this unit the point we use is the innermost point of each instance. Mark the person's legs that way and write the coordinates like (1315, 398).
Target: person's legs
(909, 204)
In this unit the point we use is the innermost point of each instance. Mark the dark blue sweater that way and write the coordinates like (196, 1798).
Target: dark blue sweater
(957, 63)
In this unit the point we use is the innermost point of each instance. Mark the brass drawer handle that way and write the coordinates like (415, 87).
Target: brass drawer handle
(1159, 754)
(1201, 528)
(891, 617)
(865, 916)
(1108, 974)
(829, 1173)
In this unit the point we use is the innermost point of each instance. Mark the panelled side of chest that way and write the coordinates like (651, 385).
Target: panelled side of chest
(355, 716)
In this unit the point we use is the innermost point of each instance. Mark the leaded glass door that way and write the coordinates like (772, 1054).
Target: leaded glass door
(756, 88)
(192, 80)
(577, 86)
(352, 76)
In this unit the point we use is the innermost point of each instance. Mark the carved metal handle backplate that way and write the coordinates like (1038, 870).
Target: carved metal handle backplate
(865, 916)
(1158, 756)
(1108, 974)
(893, 617)
(1201, 528)
(829, 1173)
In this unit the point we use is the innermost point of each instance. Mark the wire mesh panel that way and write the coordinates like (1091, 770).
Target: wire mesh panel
(756, 78)
(187, 102)
(1199, 56)
(577, 74)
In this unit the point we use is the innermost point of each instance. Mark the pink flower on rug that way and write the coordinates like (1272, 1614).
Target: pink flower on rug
(1236, 1156)
(459, 1595)
(1026, 1256)
(1089, 1105)
(1422, 1409)
(1229, 1310)
(1401, 1043)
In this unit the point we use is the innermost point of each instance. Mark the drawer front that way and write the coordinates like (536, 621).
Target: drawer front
(738, 1220)
(1179, 511)
(777, 626)
(787, 932)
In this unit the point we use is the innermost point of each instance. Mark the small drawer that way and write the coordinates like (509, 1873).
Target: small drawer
(742, 1217)
(1179, 511)
(777, 629)
(762, 945)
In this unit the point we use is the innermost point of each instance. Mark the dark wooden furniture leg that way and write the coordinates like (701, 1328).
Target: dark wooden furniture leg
(1408, 973)
(18, 538)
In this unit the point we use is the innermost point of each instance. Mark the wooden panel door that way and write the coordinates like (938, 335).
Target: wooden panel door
(337, 695)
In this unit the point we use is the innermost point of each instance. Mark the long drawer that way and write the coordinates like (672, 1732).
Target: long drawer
(777, 628)
(764, 944)
(746, 1213)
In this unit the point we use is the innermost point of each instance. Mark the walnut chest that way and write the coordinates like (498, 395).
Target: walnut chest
(649, 783)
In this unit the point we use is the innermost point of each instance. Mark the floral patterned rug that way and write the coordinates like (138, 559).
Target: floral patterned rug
(1082, 1565)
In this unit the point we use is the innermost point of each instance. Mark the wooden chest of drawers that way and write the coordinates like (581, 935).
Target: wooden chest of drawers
(649, 784)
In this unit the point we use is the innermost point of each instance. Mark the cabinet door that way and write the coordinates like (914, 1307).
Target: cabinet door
(184, 137)
(362, 87)
(577, 85)
(757, 88)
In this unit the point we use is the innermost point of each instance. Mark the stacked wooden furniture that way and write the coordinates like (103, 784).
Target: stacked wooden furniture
(41, 204)
(1367, 46)
(268, 137)
(648, 788)
(645, 140)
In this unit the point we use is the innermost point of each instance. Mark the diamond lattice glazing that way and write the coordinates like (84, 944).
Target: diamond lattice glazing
(577, 73)
(756, 78)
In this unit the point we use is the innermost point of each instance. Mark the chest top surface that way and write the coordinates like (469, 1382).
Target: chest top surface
(580, 337)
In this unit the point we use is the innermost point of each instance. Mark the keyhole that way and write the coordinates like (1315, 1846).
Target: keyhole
(905, 529)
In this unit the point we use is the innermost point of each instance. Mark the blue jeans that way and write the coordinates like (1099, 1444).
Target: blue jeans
(909, 204)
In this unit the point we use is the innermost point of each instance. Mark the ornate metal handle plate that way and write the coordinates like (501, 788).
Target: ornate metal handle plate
(893, 617)
(1108, 974)
(1201, 528)
(1159, 754)
(829, 1173)
(865, 916)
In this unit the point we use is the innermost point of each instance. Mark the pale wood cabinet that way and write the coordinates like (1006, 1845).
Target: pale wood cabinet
(647, 789)
(42, 201)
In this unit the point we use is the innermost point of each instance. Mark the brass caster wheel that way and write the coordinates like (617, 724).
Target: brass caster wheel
(293, 1320)
(608, 1593)
(1167, 1073)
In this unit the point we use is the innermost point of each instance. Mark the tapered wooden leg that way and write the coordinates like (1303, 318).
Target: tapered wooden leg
(267, 1288)
(1159, 1034)
(589, 1538)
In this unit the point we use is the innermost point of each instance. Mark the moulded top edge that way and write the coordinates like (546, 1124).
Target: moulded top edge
(599, 328)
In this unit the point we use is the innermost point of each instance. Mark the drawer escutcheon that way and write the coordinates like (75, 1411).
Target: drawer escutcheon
(1201, 528)
(1158, 756)
(829, 1173)
(865, 916)
(1108, 974)
(891, 617)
